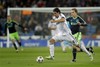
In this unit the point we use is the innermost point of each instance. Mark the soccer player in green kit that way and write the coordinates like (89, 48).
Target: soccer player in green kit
(13, 34)
(75, 21)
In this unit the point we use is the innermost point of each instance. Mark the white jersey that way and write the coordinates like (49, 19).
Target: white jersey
(52, 25)
(62, 27)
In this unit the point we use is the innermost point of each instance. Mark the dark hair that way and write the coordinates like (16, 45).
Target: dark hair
(56, 10)
(75, 10)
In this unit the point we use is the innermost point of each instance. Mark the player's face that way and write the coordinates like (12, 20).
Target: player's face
(73, 13)
(8, 18)
(56, 14)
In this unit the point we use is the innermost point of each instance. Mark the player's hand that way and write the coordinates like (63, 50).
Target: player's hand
(79, 23)
(25, 29)
(52, 21)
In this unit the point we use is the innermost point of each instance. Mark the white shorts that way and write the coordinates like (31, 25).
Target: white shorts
(68, 37)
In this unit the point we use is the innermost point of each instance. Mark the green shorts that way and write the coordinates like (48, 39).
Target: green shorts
(78, 37)
(14, 36)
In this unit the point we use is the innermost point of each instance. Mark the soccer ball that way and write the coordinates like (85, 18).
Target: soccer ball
(39, 59)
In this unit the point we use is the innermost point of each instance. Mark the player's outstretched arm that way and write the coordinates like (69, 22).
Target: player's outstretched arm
(57, 21)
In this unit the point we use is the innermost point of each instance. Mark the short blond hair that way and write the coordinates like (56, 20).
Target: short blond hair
(75, 10)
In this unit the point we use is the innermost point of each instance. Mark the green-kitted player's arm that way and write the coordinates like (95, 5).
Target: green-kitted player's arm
(18, 24)
(82, 22)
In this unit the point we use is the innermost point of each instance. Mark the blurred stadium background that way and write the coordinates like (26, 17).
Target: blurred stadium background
(36, 22)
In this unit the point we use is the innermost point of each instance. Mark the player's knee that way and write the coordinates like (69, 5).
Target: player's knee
(13, 40)
(18, 41)
(52, 41)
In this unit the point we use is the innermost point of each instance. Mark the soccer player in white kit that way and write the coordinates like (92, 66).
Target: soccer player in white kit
(52, 28)
(62, 32)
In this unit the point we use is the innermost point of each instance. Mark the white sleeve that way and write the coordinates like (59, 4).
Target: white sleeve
(53, 17)
(63, 16)
(49, 24)
(67, 29)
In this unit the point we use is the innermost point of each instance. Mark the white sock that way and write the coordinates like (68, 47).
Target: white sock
(48, 43)
(63, 46)
(51, 49)
(84, 49)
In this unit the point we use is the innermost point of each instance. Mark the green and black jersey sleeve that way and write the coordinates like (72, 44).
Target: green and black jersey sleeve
(11, 26)
(83, 23)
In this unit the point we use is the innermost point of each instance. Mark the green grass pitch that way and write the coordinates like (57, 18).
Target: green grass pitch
(27, 58)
